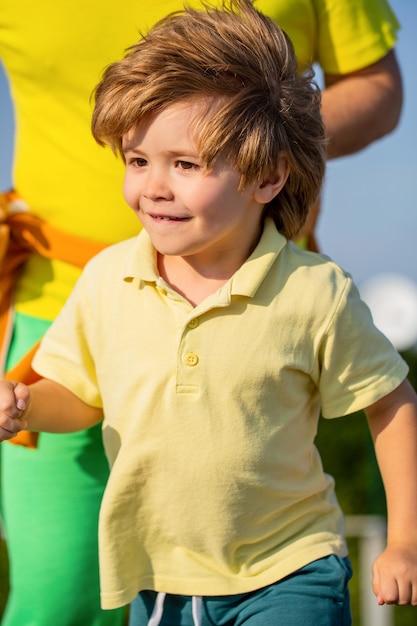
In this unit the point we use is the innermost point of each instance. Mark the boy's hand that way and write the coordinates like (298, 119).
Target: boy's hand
(14, 404)
(394, 575)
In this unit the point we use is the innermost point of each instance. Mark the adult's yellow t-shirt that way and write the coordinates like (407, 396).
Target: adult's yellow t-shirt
(54, 54)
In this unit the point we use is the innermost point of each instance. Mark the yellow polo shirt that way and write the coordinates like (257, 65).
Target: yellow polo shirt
(54, 53)
(211, 412)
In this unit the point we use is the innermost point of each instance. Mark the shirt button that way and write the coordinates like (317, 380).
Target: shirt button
(191, 359)
(193, 323)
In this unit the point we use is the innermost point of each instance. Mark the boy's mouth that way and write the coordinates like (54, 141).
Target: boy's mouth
(169, 218)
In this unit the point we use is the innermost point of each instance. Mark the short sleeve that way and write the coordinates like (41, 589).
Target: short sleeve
(353, 35)
(358, 364)
(66, 351)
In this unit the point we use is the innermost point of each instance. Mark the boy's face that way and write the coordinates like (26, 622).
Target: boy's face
(186, 211)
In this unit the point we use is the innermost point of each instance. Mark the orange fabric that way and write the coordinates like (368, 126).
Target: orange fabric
(21, 234)
(23, 372)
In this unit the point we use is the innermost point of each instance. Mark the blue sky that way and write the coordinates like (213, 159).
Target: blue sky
(369, 219)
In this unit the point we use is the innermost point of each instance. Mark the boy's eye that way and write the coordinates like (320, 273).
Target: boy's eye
(139, 162)
(136, 161)
(187, 165)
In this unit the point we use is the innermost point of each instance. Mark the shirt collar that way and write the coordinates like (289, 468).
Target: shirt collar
(249, 277)
(141, 263)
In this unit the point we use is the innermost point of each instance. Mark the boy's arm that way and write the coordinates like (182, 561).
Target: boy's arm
(393, 424)
(44, 406)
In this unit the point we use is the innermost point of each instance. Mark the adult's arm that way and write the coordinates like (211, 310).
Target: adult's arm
(363, 106)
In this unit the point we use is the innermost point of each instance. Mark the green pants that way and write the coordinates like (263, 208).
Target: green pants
(50, 502)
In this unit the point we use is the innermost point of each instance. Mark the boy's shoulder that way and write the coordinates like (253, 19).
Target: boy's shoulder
(312, 265)
(307, 284)
(113, 265)
(114, 257)
(115, 250)
(287, 261)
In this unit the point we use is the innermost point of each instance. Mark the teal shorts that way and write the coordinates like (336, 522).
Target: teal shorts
(315, 595)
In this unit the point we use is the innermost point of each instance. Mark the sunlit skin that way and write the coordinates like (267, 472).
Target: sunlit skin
(201, 224)
(204, 228)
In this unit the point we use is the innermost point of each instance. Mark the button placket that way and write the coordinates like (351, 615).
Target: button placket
(191, 359)
(188, 377)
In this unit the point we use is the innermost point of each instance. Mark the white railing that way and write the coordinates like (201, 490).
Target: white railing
(370, 530)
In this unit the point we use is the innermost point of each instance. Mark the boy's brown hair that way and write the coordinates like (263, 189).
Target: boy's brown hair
(259, 108)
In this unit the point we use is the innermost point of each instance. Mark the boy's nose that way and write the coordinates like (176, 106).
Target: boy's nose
(157, 186)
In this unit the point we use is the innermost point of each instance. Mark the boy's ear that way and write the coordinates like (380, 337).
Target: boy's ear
(268, 189)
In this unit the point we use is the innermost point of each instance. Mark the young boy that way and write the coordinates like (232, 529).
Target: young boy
(208, 345)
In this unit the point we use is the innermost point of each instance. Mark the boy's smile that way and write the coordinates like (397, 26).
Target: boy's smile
(188, 212)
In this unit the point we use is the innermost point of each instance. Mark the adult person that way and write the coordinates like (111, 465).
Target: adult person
(53, 55)
(223, 145)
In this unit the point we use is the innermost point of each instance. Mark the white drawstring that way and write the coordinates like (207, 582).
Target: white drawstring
(197, 602)
(158, 609)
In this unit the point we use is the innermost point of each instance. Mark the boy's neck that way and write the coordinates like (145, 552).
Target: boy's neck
(198, 276)
(194, 283)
